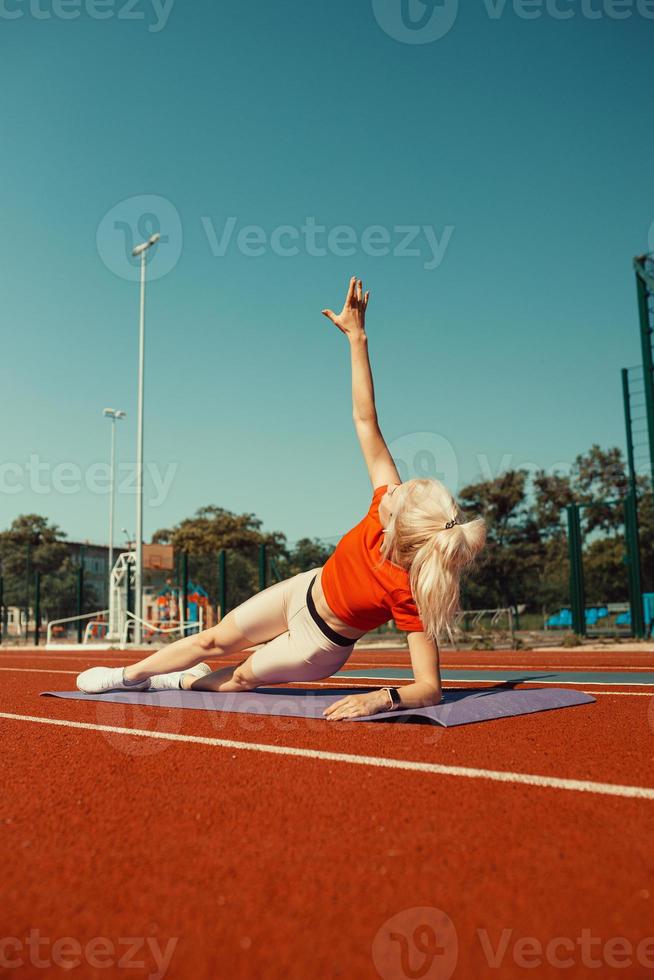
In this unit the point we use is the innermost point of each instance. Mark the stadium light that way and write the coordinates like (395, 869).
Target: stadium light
(115, 414)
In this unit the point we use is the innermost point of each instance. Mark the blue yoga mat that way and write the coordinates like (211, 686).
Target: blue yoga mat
(457, 707)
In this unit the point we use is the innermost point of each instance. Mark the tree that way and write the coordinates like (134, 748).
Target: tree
(599, 481)
(213, 529)
(32, 544)
(308, 553)
(508, 570)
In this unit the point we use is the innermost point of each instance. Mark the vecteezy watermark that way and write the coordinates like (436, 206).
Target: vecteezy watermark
(154, 13)
(44, 478)
(419, 942)
(426, 456)
(416, 21)
(128, 727)
(131, 222)
(317, 240)
(99, 953)
(426, 21)
(565, 952)
(432, 456)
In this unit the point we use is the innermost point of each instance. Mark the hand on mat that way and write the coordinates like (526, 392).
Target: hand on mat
(356, 705)
(352, 318)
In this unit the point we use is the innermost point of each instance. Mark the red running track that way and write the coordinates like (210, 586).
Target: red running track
(229, 861)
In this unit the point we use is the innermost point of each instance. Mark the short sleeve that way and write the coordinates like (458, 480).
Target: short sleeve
(405, 613)
(376, 499)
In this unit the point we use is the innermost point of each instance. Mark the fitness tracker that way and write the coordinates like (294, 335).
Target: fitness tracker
(395, 701)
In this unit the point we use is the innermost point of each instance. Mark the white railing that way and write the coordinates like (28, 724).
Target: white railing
(75, 619)
(181, 628)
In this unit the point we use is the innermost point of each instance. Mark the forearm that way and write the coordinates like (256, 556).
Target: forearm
(420, 694)
(363, 389)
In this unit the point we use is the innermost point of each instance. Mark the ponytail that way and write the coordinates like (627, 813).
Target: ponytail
(427, 538)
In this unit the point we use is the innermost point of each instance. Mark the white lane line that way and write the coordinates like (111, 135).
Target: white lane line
(498, 776)
(340, 682)
(601, 668)
(526, 680)
(42, 654)
(622, 694)
(453, 685)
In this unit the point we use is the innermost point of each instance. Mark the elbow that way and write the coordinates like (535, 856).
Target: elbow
(433, 697)
(365, 418)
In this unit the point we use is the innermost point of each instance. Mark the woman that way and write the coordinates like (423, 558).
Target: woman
(402, 561)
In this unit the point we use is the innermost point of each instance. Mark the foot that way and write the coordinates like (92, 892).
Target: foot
(172, 681)
(97, 680)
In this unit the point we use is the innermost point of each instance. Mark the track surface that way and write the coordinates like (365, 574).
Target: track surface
(206, 855)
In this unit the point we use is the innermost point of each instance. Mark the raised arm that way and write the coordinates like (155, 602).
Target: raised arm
(352, 322)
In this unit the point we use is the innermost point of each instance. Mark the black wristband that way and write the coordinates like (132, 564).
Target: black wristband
(394, 694)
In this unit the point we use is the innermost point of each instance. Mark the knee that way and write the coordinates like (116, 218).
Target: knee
(243, 680)
(209, 642)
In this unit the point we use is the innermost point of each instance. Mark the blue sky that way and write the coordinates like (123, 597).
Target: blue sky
(514, 152)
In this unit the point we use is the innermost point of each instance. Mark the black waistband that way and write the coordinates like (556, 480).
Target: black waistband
(342, 641)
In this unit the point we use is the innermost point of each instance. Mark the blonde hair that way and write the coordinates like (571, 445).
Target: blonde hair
(434, 555)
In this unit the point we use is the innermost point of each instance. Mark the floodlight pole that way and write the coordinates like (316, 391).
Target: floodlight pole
(645, 288)
(140, 250)
(114, 415)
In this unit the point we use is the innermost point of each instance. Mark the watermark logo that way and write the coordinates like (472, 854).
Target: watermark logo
(426, 456)
(67, 953)
(565, 952)
(426, 21)
(416, 943)
(43, 478)
(318, 240)
(132, 222)
(121, 723)
(154, 13)
(416, 21)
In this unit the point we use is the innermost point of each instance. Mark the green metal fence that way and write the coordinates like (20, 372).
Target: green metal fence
(631, 560)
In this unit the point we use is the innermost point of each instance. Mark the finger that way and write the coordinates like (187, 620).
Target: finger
(340, 709)
(359, 290)
(336, 706)
(330, 315)
(365, 300)
(351, 290)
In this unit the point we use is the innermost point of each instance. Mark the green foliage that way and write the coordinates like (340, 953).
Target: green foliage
(308, 553)
(526, 558)
(32, 544)
(525, 561)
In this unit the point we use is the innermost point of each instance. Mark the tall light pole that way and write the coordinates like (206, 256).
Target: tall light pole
(142, 251)
(114, 414)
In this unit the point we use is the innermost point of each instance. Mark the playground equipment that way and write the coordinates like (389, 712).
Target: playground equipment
(112, 627)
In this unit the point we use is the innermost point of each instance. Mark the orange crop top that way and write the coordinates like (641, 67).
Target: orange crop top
(363, 588)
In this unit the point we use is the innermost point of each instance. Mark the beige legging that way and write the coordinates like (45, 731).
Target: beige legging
(294, 647)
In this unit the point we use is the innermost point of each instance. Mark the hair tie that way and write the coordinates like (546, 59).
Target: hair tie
(450, 524)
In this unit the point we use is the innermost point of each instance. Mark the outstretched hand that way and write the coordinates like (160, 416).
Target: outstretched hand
(352, 318)
(357, 706)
